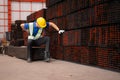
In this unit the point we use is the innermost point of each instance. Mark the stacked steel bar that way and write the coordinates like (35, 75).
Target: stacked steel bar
(17, 33)
(25, 37)
(35, 15)
(92, 35)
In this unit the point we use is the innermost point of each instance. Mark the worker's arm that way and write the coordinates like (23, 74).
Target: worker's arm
(55, 27)
(22, 26)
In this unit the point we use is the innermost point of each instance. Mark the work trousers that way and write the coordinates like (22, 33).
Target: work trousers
(42, 40)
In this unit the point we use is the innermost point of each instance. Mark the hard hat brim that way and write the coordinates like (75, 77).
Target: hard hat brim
(42, 26)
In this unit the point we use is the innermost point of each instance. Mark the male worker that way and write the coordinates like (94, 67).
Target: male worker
(36, 39)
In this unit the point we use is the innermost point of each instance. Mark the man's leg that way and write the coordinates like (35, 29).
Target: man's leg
(45, 40)
(29, 48)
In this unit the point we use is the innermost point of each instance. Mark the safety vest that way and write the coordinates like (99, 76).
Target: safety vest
(31, 32)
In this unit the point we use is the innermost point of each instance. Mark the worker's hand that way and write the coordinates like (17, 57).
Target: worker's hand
(61, 31)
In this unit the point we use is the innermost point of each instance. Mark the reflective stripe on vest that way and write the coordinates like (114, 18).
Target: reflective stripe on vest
(31, 32)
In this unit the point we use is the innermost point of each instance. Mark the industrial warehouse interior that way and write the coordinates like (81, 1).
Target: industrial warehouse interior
(60, 39)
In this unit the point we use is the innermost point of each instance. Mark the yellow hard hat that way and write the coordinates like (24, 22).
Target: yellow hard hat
(41, 22)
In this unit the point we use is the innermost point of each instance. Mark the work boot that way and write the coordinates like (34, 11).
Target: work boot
(47, 56)
(29, 60)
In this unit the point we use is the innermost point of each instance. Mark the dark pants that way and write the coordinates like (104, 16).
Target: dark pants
(43, 40)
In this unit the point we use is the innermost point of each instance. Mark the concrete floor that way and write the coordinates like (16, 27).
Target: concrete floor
(12, 68)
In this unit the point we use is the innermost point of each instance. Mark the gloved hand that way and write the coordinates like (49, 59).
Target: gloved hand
(61, 31)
